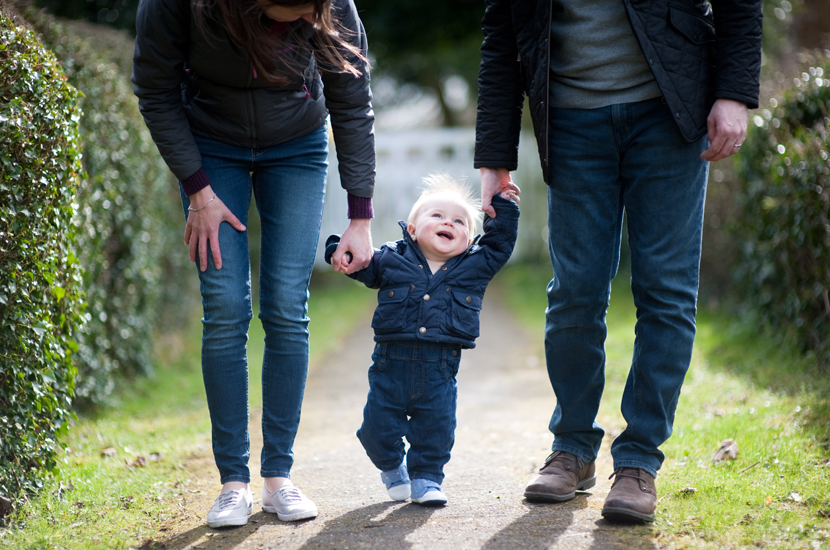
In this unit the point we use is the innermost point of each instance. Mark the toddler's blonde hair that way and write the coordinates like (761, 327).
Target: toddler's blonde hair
(442, 184)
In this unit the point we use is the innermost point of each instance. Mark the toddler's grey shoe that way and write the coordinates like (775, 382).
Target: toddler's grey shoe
(289, 503)
(427, 493)
(397, 482)
(231, 508)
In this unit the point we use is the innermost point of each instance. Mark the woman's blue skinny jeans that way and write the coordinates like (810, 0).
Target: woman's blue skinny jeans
(288, 182)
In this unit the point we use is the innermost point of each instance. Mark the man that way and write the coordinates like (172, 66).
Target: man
(630, 100)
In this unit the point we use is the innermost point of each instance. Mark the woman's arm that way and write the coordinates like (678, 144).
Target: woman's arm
(162, 38)
(349, 101)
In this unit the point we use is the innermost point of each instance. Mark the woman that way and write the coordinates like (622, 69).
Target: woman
(235, 94)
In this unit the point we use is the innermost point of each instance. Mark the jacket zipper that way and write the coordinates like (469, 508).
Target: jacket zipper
(251, 110)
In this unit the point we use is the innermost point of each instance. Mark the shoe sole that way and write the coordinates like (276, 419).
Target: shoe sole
(553, 497)
(290, 517)
(227, 523)
(624, 515)
(230, 522)
(430, 502)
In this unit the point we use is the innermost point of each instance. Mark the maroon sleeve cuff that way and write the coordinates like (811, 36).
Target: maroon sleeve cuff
(197, 181)
(360, 207)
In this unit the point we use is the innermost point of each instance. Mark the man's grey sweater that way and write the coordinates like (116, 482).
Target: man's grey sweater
(595, 58)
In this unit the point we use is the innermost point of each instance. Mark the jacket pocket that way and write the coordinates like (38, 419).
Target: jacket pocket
(696, 28)
(390, 315)
(464, 312)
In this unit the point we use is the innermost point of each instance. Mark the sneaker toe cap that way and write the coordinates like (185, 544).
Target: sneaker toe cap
(400, 492)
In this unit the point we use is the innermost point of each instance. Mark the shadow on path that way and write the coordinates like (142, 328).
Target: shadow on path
(539, 527)
(205, 538)
(611, 536)
(385, 525)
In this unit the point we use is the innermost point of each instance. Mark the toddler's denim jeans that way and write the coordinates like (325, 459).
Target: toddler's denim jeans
(289, 183)
(412, 394)
(625, 157)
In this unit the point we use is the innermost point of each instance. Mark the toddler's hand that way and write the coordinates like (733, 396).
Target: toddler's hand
(510, 196)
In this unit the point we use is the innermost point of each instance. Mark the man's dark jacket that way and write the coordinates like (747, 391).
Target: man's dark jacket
(697, 53)
(416, 304)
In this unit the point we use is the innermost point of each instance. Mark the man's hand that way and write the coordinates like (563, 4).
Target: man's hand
(354, 252)
(727, 129)
(203, 226)
(493, 181)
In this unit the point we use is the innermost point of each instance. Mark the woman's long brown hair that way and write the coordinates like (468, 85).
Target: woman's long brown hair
(248, 27)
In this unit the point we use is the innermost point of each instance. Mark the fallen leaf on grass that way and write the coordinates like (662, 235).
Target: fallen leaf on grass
(768, 501)
(687, 491)
(139, 462)
(109, 451)
(747, 519)
(728, 450)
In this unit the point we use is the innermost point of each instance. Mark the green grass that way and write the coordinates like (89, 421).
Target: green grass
(110, 502)
(743, 384)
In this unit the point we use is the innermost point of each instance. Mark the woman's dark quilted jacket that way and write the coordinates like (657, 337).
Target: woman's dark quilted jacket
(697, 52)
(191, 84)
(415, 304)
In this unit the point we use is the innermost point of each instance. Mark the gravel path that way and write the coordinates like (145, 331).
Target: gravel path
(505, 402)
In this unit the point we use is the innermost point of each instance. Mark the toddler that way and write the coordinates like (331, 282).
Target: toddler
(431, 284)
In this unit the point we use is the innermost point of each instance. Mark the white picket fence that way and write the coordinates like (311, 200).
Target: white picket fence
(405, 158)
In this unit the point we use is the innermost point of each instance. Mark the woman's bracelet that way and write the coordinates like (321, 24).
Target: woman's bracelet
(191, 209)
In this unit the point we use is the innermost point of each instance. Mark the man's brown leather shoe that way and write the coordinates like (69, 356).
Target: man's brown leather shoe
(561, 477)
(632, 498)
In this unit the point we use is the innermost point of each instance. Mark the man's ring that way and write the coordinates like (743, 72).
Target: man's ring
(737, 146)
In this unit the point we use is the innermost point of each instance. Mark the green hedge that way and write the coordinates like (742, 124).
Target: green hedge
(784, 221)
(130, 213)
(40, 303)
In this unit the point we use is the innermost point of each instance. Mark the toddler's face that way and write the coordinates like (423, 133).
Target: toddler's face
(441, 228)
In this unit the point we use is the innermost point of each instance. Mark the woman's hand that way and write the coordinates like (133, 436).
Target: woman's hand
(203, 226)
(355, 249)
(493, 181)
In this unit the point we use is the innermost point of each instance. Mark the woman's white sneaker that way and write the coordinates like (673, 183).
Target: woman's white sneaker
(289, 503)
(231, 508)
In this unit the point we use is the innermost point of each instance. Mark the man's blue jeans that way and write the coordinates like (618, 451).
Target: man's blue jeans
(412, 394)
(288, 182)
(627, 157)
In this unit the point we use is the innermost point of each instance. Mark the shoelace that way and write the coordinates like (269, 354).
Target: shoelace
(566, 461)
(619, 473)
(227, 500)
(290, 494)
